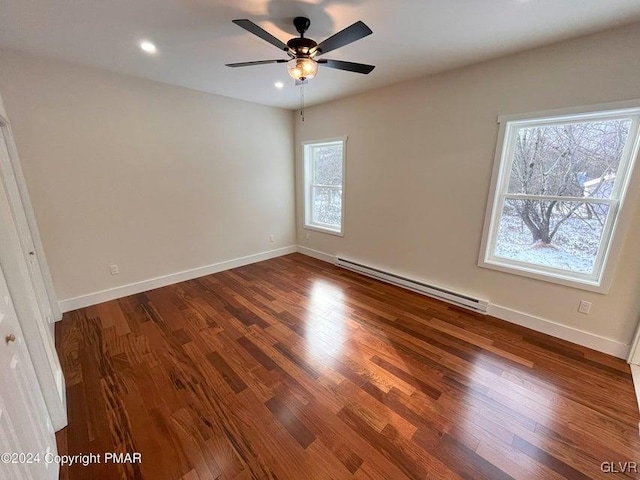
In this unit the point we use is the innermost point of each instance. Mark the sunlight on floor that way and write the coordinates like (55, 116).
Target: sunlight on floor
(325, 324)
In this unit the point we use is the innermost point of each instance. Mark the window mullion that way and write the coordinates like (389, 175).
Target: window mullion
(550, 198)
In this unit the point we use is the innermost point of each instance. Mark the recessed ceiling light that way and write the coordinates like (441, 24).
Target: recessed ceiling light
(148, 47)
(278, 85)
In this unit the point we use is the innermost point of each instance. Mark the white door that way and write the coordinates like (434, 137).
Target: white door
(18, 255)
(27, 439)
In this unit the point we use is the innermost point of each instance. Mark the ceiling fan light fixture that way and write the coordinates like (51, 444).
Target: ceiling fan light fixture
(302, 68)
(302, 51)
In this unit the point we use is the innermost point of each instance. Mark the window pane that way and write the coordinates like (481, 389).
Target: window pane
(326, 206)
(327, 165)
(572, 159)
(564, 235)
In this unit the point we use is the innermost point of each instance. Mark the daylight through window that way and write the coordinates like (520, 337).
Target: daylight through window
(324, 180)
(558, 192)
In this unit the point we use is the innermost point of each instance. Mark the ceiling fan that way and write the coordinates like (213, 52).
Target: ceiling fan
(303, 52)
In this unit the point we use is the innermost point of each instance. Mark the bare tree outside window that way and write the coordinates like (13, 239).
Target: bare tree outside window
(327, 185)
(575, 161)
(558, 193)
(324, 166)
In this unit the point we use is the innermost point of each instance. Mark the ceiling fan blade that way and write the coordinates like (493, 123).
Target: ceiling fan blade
(249, 26)
(259, 62)
(349, 66)
(344, 37)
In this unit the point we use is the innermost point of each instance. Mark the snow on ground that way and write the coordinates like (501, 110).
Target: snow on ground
(574, 247)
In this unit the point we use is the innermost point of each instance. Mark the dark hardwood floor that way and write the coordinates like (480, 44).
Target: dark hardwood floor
(293, 369)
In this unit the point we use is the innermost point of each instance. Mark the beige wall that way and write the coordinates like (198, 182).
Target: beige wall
(154, 178)
(419, 162)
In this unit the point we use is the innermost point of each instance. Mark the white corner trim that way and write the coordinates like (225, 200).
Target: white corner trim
(634, 355)
(309, 252)
(635, 373)
(145, 285)
(61, 421)
(564, 332)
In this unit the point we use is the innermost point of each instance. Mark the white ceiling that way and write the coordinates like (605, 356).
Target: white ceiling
(195, 38)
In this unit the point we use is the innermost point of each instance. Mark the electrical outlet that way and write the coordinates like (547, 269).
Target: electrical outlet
(584, 307)
(272, 238)
(308, 235)
(114, 269)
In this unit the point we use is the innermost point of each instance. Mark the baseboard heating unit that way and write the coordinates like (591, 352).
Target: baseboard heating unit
(448, 296)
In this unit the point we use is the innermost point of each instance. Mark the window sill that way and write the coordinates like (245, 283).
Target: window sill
(317, 228)
(559, 278)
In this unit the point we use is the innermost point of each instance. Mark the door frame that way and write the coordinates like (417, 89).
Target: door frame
(38, 333)
(24, 203)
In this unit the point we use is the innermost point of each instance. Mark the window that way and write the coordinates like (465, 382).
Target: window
(558, 188)
(324, 185)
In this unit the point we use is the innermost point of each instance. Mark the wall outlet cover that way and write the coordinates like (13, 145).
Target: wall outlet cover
(584, 307)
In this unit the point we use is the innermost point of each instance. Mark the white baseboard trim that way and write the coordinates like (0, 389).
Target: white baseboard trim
(574, 335)
(145, 285)
(309, 252)
(570, 334)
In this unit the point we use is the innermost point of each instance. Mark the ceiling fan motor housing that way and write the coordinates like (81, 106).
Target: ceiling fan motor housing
(301, 46)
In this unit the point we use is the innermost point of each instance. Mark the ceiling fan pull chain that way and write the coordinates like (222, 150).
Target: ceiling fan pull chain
(302, 102)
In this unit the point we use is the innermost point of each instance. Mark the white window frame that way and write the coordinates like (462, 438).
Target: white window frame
(618, 217)
(309, 184)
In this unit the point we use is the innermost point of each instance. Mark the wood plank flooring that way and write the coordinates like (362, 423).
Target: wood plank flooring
(294, 369)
